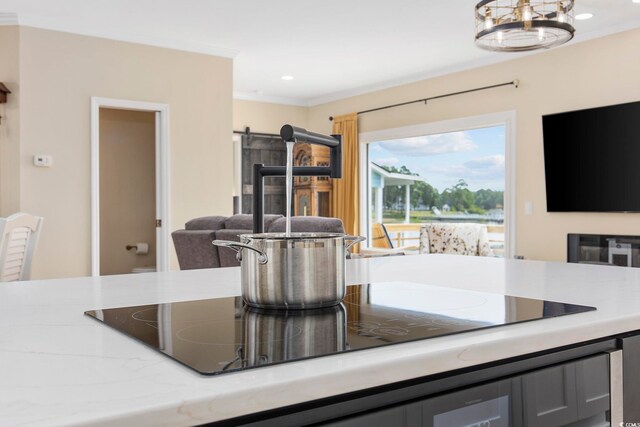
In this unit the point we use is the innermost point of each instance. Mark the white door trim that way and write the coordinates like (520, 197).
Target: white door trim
(506, 118)
(162, 176)
(237, 169)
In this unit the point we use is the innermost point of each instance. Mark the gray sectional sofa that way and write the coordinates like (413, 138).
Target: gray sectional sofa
(194, 248)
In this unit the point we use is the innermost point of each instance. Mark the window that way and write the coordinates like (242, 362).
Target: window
(416, 176)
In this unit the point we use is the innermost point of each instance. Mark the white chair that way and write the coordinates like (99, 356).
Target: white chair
(18, 237)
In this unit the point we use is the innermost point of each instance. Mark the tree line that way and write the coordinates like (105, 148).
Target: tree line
(458, 197)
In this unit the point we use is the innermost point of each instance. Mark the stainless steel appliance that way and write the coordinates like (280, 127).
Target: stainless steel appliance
(575, 393)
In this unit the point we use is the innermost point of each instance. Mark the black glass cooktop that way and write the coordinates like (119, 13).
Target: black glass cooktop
(215, 336)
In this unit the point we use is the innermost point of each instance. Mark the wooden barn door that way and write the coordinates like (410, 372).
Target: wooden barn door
(270, 151)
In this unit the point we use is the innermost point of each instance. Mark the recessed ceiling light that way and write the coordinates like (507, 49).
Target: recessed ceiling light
(636, 1)
(583, 16)
(287, 77)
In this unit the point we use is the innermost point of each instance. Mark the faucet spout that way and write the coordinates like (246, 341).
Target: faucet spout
(296, 134)
(290, 133)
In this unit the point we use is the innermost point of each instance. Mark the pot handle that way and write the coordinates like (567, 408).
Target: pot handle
(237, 246)
(352, 241)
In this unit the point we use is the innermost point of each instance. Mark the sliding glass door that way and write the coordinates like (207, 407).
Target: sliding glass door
(450, 177)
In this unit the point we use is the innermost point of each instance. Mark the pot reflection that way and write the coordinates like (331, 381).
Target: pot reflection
(273, 336)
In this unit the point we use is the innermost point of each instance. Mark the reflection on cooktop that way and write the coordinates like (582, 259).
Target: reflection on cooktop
(222, 335)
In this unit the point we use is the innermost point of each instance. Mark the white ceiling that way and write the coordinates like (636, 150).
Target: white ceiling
(332, 48)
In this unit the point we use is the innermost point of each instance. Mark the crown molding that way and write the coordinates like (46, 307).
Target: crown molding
(603, 32)
(469, 65)
(125, 36)
(270, 99)
(8, 19)
(389, 84)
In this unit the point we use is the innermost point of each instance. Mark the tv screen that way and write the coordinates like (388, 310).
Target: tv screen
(592, 159)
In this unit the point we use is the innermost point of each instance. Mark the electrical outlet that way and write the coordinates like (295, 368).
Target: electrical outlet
(42, 160)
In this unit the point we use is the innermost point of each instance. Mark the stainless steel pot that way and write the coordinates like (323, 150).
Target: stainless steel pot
(303, 270)
(273, 336)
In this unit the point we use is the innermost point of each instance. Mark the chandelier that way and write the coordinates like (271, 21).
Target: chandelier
(521, 25)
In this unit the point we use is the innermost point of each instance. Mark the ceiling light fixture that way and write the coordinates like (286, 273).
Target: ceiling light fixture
(521, 25)
(287, 78)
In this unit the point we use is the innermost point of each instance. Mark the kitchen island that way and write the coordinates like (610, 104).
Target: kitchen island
(60, 367)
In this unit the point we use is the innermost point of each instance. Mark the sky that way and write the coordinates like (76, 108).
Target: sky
(477, 156)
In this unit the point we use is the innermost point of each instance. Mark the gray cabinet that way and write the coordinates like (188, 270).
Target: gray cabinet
(550, 397)
(568, 393)
(592, 384)
(631, 381)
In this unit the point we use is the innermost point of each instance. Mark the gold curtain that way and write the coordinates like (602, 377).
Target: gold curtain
(346, 201)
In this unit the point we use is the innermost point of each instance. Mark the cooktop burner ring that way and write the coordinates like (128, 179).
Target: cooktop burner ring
(180, 333)
(136, 315)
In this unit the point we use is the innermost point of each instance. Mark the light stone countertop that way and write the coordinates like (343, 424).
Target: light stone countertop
(59, 367)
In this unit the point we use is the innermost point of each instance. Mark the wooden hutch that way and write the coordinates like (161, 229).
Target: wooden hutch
(312, 194)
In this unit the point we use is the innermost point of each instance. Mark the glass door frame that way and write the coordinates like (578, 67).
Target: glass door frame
(506, 119)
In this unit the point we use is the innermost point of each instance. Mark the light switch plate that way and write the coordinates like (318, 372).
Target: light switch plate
(43, 160)
(528, 208)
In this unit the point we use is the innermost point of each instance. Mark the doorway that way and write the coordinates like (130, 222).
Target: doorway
(129, 187)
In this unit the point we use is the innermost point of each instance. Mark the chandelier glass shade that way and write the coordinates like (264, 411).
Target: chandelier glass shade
(521, 25)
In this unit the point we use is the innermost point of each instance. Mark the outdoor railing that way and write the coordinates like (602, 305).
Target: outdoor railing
(403, 234)
(398, 234)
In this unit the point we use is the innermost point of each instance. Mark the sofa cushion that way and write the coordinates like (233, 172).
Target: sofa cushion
(308, 224)
(206, 223)
(245, 222)
(194, 249)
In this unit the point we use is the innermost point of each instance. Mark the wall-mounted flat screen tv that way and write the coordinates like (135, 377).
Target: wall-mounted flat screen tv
(592, 159)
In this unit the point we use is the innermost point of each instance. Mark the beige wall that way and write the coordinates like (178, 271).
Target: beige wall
(59, 73)
(127, 189)
(266, 117)
(10, 122)
(582, 75)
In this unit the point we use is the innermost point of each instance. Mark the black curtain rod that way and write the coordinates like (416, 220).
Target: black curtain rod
(425, 100)
(247, 132)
